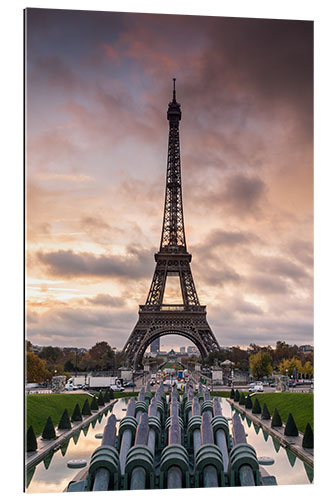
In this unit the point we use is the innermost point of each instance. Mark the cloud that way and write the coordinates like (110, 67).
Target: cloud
(266, 285)
(66, 263)
(243, 192)
(280, 266)
(218, 275)
(104, 299)
(81, 327)
(98, 89)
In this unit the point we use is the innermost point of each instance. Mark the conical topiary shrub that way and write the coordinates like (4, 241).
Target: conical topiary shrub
(106, 397)
(31, 439)
(65, 422)
(237, 395)
(77, 416)
(290, 428)
(49, 432)
(256, 407)
(232, 394)
(94, 404)
(111, 394)
(276, 420)
(100, 400)
(265, 415)
(242, 399)
(308, 437)
(248, 402)
(86, 408)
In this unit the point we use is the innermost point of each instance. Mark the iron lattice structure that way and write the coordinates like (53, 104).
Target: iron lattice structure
(156, 318)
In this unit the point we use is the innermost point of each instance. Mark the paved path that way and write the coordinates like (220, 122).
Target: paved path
(294, 443)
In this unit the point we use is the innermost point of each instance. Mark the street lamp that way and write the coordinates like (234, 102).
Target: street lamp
(114, 359)
(75, 361)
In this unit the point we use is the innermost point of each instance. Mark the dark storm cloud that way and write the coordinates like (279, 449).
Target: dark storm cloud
(66, 263)
(270, 60)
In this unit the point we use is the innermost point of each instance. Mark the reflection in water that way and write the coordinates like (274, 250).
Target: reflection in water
(276, 443)
(291, 457)
(288, 468)
(58, 475)
(47, 460)
(309, 471)
(100, 418)
(29, 476)
(64, 447)
(76, 436)
(248, 421)
(85, 429)
(265, 433)
(93, 423)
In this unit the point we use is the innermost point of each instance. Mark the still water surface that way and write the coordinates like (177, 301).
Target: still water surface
(52, 474)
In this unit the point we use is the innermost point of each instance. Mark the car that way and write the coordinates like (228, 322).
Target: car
(116, 388)
(129, 384)
(257, 388)
(70, 387)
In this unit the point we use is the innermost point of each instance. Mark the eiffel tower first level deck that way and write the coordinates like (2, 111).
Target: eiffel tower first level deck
(157, 318)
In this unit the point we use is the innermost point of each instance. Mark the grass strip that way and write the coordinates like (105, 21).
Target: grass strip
(40, 406)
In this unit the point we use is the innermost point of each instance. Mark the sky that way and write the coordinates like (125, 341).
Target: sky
(97, 90)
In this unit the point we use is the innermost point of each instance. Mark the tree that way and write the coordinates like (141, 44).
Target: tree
(307, 369)
(69, 366)
(260, 364)
(36, 369)
(288, 366)
(52, 355)
(103, 356)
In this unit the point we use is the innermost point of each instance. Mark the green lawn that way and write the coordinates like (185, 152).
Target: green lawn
(299, 404)
(40, 406)
(176, 366)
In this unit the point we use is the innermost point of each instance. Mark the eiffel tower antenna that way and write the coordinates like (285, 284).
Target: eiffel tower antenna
(156, 319)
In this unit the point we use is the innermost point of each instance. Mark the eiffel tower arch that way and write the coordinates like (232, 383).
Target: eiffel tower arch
(157, 318)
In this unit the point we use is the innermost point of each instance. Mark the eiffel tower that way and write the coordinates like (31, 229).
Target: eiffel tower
(156, 318)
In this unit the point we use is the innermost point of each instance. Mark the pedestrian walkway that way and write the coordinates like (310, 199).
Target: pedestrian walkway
(292, 442)
(44, 446)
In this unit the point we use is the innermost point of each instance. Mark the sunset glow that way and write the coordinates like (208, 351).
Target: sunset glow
(98, 86)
